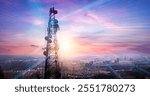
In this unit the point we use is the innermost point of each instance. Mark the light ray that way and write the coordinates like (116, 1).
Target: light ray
(28, 69)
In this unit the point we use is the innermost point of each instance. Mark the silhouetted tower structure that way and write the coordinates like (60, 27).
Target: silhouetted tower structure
(52, 68)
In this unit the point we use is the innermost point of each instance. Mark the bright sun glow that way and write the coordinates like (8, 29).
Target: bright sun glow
(67, 46)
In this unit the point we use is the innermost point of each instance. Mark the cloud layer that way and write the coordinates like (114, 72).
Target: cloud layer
(96, 27)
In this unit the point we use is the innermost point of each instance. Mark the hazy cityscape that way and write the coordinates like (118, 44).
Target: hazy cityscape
(27, 67)
(72, 39)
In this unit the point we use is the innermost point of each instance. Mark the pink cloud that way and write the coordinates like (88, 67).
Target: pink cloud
(21, 49)
(14, 43)
(89, 48)
(33, 20)
(94, 19)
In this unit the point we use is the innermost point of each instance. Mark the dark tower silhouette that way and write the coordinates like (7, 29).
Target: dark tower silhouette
(52, 68)
(1, 73)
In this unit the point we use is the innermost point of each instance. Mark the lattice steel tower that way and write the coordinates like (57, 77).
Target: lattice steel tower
(52, 68)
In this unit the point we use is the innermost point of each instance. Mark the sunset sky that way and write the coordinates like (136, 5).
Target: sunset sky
(87, 27)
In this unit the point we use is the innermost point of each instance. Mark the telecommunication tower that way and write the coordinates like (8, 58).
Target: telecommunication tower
(52, 68)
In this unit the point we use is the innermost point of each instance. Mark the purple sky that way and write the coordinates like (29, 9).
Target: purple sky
(92, 27)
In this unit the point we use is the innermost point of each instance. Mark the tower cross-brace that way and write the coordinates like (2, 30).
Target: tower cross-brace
(52, 68)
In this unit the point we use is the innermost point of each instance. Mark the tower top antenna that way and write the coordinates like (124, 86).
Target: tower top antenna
(53, 11)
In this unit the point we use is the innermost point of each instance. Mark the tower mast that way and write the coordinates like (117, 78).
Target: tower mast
(52, 68)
